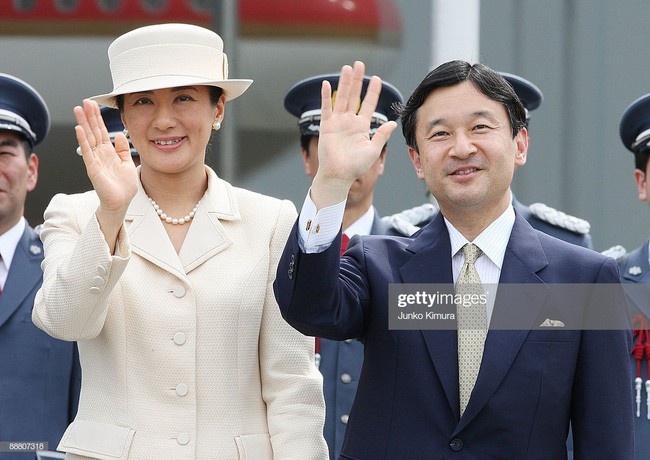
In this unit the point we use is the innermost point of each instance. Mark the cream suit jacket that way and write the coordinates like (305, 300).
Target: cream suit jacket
(184, 355)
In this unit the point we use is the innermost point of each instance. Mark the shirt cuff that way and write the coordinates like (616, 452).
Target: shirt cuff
(318, 228)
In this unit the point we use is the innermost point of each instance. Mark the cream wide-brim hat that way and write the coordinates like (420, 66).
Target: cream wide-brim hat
(167, 56)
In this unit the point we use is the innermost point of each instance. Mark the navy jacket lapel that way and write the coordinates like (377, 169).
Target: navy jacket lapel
(431, 263)
(24, 275)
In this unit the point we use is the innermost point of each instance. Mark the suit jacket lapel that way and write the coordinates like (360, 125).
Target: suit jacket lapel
(206, 236)
(431, 263)
(24, 274)
(524, 258)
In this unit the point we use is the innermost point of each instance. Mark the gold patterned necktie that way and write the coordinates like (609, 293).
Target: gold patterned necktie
(472, 324)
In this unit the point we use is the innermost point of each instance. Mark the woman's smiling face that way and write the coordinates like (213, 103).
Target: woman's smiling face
(171, 127)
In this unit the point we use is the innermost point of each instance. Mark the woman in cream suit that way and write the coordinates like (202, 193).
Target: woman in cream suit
(164, 274)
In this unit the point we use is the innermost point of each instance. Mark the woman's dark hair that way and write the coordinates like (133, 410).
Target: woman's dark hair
(215, 94)
(486, 80)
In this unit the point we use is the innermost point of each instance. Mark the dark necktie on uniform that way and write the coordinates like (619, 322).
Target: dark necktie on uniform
(472, 325)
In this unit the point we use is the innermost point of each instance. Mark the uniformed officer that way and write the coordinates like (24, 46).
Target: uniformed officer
(540, 216)
(40, 376)
(113, 121)
(634, 266)
(340, 362)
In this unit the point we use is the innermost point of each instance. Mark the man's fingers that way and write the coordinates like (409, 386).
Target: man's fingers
(383, 134)
(356, 85)
(369, 103)
(326, 99)
(340, 103)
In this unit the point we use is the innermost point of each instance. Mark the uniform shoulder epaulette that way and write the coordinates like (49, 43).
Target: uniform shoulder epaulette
(615, 252)
(559, 218)
(409, 221)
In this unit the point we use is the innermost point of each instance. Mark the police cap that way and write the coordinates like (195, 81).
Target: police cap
(303, 100)
(635, 125)
(23, 110)
(530, 95)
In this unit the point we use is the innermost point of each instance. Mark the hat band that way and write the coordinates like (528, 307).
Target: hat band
(17, 120)
(641, 138)
(153, 62)
(315, 116)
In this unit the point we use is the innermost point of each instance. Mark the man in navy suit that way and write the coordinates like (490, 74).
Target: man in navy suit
(340, 361)
(40, 376)
(465, 129)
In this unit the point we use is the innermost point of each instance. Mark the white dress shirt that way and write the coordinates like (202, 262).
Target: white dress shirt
(8, 242)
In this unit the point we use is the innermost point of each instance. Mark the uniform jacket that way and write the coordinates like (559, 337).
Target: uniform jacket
(581, 239)
(184, 355)
(40, 376)
(403, 224)
(635, 270)
(340, 364)
(531, 382)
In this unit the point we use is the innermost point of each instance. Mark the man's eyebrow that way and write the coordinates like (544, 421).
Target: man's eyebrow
(9, 143)
(472, 116)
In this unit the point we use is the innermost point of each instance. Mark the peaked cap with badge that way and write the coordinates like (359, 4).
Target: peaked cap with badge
(303, 100)
(634, 128)
(23, 110)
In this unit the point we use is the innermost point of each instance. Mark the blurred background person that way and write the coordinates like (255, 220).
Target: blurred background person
(340, 362)
(634, 130)
(40, 376)
(164, 274)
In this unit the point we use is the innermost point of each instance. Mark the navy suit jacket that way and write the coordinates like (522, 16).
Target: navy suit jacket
(40, 376)
(340, 364)
(531, 382)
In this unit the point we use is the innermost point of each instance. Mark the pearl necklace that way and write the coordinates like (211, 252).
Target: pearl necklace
(172, 220)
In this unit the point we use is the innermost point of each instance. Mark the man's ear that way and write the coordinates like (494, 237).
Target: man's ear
(305, 160)
(415, 159)
(640, 180)
(32, 172)
(521, 141)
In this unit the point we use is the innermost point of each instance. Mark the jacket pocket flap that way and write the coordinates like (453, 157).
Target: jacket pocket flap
(254, 446)
(97, 440)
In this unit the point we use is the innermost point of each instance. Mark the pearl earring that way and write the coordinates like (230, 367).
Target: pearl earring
(216, 125)
(126, 133)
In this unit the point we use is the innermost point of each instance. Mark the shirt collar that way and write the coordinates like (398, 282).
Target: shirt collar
(362, 225)
(492, 241)
(9, 240)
